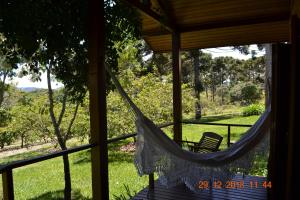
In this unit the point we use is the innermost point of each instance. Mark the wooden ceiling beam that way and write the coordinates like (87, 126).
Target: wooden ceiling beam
(163, 20)
(295, 8)
(165, 9)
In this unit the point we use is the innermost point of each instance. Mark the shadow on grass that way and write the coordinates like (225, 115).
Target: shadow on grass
(214, 118)
(119, 156)
(82, 157)
(59, 195)
(22, 156)
(218, 117)
(114, 155)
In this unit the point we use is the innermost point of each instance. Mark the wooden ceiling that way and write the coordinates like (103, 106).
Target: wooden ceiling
(213, 23)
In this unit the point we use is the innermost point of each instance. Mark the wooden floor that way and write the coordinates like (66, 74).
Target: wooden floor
(253, 189)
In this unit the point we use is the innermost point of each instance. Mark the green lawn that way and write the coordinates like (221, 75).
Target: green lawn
(44, 180)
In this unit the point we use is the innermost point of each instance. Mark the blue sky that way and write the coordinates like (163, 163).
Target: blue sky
(216, 52)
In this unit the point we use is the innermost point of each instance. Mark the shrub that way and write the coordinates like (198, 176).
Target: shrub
(246, 93)
(250, 94)
(253, 109)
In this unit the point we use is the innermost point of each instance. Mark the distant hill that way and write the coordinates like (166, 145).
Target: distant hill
(29, 89)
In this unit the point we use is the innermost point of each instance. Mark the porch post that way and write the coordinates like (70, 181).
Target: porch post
(280, 101)
(293, 172)
(177, 110)
(97, 89)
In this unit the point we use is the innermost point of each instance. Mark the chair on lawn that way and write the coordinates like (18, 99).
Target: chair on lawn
(209, 142)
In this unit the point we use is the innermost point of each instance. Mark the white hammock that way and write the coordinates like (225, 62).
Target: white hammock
(156, 152)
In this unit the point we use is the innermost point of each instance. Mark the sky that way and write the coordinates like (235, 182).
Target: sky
(26, 82)
(216, 52)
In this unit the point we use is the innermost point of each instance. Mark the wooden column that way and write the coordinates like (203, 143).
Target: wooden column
(177, 108)
(97, 89)
(279, 126)
(293, 166)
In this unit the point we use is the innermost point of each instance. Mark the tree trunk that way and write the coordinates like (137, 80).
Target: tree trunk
(60, 138)
(22, 140)
(222, 92)
(213, 93)
(268, 75)
(67, 192)
(195, 54)
(1, 94)
(2, 88)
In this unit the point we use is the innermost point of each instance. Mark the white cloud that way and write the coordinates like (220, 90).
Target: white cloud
(228, 51)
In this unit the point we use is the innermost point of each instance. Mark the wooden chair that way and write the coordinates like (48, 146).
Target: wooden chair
(209, 142)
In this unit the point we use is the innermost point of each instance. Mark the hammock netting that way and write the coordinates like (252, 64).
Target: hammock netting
(156, 152)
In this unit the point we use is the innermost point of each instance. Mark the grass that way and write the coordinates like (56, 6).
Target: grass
(44, 180)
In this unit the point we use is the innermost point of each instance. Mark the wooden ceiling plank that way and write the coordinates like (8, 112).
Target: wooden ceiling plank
(209, 23)
(228, 36)
(238, 22)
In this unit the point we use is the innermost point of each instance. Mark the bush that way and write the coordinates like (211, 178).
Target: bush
(253, 109)
(246, 93)
(250, 94)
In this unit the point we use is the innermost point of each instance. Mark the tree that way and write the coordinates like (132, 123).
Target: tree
(52, 36)
(198, 86)
(61, 136)
(9, 57)
(217, 73)
(6, 136)
(34, 125)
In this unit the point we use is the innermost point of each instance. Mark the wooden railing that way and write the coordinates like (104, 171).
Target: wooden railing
(7, 169)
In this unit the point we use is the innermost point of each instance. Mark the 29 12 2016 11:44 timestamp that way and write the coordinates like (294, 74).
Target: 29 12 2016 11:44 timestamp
(233, 184)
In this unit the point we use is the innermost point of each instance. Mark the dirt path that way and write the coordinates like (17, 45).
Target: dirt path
(10, 152)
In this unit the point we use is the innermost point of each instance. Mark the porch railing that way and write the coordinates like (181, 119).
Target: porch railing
(7, 169)
(219, 124)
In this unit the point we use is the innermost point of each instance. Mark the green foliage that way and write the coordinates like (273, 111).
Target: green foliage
(253, 109)
(246, 93)
(9, 57)
(250, 93)
(128, 194)
(151, 94)
(56, 33)
(5, 117)
(30, 121)
(6, 136)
